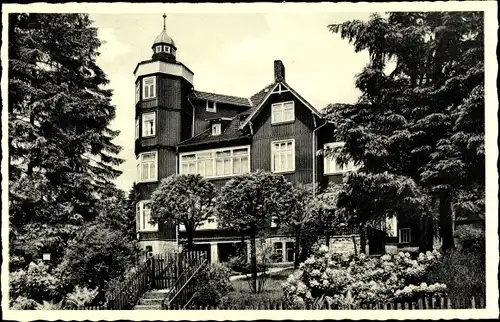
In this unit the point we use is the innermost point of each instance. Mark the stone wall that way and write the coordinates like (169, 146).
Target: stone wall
(159, 246)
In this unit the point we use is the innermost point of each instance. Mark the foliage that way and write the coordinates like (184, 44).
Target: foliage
(350, 280)
(250, 201)
(212, 285)
(471, 239)
(464, 273)
(300, 217)
(81, 296)
(419, 124)
(61, 154)
(23, 303)
(186, 199)
(98, 255)
(38, 282)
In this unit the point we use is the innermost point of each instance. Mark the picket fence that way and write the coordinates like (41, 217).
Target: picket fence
(428, 303)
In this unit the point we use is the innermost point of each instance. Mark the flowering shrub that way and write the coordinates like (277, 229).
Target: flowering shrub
(348, 280)
(38, 282)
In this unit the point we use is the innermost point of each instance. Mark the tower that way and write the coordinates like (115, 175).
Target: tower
(163, 118)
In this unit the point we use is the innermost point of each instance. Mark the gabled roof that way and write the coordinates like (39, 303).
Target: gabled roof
(255, 111)
(220, 98)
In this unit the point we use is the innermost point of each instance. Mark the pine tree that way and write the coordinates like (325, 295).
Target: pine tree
(420, 127)
(61, 154)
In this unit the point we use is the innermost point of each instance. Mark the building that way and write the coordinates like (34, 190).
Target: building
(180, 129)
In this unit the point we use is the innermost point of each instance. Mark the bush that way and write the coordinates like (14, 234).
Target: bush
(349, 280)
(211, 285)
(471, 239)
(240, 264)
(23, 303)
(37, 283)
(81, 296)
(463, 272)
(98, 256)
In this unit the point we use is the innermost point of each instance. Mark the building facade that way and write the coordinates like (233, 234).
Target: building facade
(179, 129)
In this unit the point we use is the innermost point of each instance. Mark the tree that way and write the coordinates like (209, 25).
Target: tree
(299, 218)
(186, 199)
(324, 212)
(251, 201)
(421, 123)
(61, 154)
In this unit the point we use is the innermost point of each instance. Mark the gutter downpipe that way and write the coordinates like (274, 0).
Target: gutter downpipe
(192, 123)
(314, 158)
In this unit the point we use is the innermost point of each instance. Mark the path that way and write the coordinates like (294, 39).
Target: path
(271, 270)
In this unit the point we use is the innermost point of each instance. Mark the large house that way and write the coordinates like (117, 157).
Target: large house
(179, 129)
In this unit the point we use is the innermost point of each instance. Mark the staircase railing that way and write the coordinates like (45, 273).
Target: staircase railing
(182, 292)
(128, 292)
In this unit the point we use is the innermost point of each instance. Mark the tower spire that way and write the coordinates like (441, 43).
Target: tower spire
(164, 22)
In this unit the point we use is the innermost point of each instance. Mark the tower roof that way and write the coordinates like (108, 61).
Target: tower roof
(163, 37)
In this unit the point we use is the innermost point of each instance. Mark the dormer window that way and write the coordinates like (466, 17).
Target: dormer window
(216, 129)
(211, 107)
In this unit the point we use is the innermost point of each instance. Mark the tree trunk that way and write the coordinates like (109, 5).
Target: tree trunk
(298, 237)
(253, 260)
(189, 236)
(243, 251)
(446, 220)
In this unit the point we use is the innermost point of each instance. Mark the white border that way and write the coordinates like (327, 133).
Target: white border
(491, 127)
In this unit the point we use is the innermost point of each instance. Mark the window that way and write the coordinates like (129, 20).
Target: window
(211, 107)
(144, 213)
(404, 235)
(216, 129)
(137, 92)
(391, 225)
(283, 156)
(149, 87)
(147, 167)
(216, 163)
(166, 49)
(331, 164)
(274, 222)
(278, 251)
(148, 124)
(158, 49)
(282, 112)
(136, 128)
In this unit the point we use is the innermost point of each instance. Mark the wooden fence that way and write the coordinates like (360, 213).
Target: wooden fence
(431, 303)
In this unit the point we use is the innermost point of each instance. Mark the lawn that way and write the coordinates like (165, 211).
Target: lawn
(242, 297)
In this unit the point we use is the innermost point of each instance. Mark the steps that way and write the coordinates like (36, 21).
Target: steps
(151, 300)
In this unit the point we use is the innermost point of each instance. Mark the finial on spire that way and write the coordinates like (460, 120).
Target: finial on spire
(164, 21)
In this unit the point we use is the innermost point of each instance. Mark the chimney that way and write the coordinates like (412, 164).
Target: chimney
(279, 71)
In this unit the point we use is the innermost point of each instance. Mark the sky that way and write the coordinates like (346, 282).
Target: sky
(232, 54)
